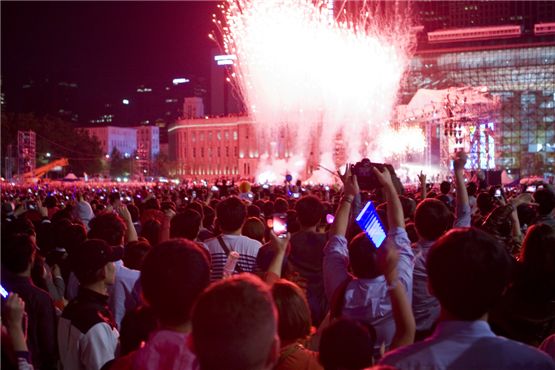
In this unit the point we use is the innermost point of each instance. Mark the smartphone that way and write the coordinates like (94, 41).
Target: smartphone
(330, 218)
(214, 188)
(265, 186)
(279, 224)
(296, 195)
(4, 292)
(31, 206)
(370, 223)
(531, 189)
(498, 193)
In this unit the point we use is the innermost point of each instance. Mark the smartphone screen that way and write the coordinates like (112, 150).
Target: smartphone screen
(279, 224)
(531, 189)
(370, 222)
(3, 291)
(498, 193)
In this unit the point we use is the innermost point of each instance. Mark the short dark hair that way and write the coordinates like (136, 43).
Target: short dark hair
(363, 257)
(468, 271)
(238, 317)
(432, 219)
(185, 224)
(253, 211)
(231, 214)
(471, 188)
(173, 274)
(537, 257)
(134, 254)
(151, 231)
(254, 228)
(347, 344)
(17, 252)
(485, 203)
(209, 215)
(293, 312)
(107, 226)
(445, 187)
(197, 206)
(281, 205)
(546, 201)
(309, 210)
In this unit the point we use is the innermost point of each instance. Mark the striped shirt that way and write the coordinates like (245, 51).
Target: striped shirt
(246, 247)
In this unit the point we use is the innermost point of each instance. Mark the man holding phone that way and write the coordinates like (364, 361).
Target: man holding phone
(366, 295)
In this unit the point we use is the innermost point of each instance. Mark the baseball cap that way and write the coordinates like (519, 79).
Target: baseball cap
(92, 255)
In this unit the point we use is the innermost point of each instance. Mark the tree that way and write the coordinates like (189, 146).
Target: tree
(60, 138)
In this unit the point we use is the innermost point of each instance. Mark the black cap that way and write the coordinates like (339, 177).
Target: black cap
(91, 256)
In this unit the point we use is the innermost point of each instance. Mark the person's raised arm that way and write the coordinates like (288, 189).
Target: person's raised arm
(463, 215)
(405, 325)
(395, 217)
(280, 247)
(422, 180)
(350, 190)
(336, 254)
(131, 232)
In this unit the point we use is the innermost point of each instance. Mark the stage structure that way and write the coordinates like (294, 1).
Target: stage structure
(454, 119)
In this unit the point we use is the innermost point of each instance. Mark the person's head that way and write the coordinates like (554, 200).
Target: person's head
(50, 201)
(281, 205)
(173, 274)
(93, 262)
(73, 236)
(197, 206)
(485, 203)
(134, 254)
(114, 199)
(185, 224)
(254, 229)
(432, 219)
(109, 227)
(347, 344)
(151, 231)
(253, 211)
(230, 214)
(468, 271)
(537, 258)
(471, 189)
(409, 206)
(18, 252)
(134, 212)
(209, 216)
(363, 257)
(546, 201)
(237, 317)
(445, 187)
(293, 312)
(309, 210)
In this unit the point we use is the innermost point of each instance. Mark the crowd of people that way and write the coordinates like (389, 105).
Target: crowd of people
(196, 277)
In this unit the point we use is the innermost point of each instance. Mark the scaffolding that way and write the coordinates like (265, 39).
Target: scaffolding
(522, 78)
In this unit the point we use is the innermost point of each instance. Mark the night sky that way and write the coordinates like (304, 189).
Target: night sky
(108, 48)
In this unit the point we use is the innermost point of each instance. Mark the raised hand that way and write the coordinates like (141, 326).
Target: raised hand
(350, 183)
(384, 177)
(459, 161)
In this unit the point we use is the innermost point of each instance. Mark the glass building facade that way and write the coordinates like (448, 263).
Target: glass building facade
(524, 79)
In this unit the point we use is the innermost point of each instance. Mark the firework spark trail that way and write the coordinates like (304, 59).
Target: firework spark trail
(298, 71)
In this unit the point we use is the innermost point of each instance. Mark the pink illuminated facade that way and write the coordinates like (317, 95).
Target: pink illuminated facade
(212, 148)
